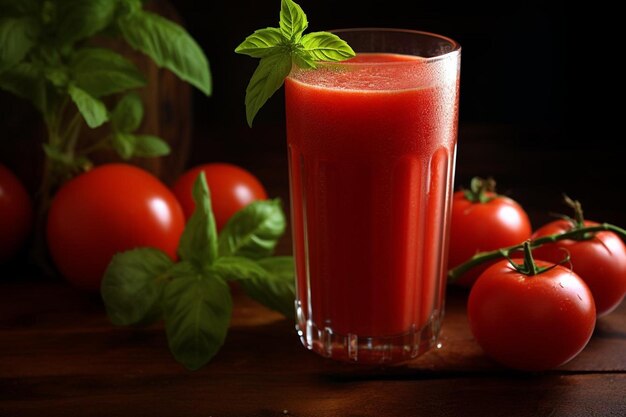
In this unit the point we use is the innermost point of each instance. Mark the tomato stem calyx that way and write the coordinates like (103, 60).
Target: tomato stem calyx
(578, 222)
(479, 189)
(575, 234)
(530, 267)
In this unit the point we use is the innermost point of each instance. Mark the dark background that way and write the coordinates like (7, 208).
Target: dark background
(515, 105)
(517, 97)
(513, 59)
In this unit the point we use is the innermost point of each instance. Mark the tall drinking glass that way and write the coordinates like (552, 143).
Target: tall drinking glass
(372, 145)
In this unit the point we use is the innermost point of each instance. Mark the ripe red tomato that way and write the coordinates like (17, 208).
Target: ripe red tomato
(16, 214)
(110, 209)
(599, 261)
(232, 188)
(478, 227)
(531, 322)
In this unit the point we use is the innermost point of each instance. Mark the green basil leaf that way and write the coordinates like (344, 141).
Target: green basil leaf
(253, 231)
(128, 114)
(58, 76)
(17, 37)
(26, 80)
(235, 268)
(124, 144)
(197, 314)
(261, 43)
(267, 78)
(79, 19)
(198, 244)
(128, 145)
(293, 21)
(149, 146)
(324, 46)
(132, 287)
(303, 60)
(278, 52)
(184, 269)
(101, 72)
(277, 289)
(93, 110)
(129, 6)
(169, 45)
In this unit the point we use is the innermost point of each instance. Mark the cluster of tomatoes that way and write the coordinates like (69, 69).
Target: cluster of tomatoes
(528, 314)
(114, 208)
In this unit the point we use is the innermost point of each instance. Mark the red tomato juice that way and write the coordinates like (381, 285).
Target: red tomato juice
(372, 144)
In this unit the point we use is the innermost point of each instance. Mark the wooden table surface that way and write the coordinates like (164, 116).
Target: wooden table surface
(60, 356)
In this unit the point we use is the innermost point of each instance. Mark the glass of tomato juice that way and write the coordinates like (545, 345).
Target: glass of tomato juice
(372, 144)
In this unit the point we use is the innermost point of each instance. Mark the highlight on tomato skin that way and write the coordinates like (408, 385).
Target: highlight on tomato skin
(16, 214)
(600, 261)
(482, 221)
(531, 323)
(110, 209)
(231, 188)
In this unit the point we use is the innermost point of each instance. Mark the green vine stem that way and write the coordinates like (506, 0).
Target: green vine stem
(53, 174)
(530, 267)
(582, 233)
(579, 219)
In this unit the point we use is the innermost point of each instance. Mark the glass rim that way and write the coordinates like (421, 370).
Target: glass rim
(456, 47)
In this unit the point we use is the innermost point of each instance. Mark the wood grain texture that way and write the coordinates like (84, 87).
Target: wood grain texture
(59, 354)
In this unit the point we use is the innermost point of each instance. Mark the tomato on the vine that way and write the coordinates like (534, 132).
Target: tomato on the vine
(231, 187)
(599, 259)
(482, 221)
(531, 320)
(110, 209)
(16, 214)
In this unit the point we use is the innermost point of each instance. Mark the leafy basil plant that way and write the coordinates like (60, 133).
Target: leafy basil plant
(47, 56)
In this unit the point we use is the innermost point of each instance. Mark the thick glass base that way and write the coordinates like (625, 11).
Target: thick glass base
(370, 349)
